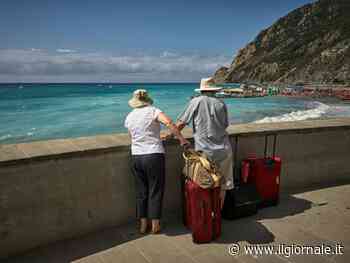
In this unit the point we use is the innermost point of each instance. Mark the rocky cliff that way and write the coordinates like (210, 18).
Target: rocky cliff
(310, 44)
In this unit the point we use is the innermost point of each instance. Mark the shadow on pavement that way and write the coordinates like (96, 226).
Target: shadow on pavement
(247, 229)
(289, 205)
(69, 250)
(244, 229)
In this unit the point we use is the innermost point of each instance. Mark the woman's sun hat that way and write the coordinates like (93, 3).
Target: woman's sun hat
(207, 84)
(140, 99)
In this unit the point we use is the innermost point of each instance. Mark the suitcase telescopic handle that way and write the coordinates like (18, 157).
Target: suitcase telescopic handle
(274, 145)
(236, 176)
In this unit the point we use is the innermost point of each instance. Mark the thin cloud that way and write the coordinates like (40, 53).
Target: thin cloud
(19, 65)
(167, 54)
(65, 50)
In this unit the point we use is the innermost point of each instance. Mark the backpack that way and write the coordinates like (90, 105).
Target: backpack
(201, 170)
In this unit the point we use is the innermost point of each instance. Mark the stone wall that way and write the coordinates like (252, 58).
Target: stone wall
(59, 189)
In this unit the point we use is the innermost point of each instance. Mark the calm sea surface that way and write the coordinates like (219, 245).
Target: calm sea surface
(30, 112)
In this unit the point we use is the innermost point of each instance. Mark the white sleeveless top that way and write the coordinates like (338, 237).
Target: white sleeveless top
(144, 129)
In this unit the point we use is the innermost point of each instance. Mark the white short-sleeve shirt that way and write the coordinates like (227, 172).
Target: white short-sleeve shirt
(144, 129)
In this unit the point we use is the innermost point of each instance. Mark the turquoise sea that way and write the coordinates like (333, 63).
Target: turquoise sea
(30, 112)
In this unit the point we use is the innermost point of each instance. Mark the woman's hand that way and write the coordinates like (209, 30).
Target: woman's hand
(173, 128)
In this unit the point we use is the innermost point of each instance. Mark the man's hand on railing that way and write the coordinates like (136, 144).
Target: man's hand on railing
(185, 144)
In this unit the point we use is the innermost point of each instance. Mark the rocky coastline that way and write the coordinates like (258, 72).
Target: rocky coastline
(309, 45)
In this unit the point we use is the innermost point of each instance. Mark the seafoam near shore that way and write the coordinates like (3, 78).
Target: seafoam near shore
(30, 112)
(317, 110)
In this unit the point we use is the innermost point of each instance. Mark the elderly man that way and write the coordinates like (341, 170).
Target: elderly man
(209, 118)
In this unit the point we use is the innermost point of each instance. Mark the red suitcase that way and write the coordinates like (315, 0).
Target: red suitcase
(186, 205)
(265, 174)
(203, 212)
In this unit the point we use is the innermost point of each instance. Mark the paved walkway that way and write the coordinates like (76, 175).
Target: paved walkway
(314, 218)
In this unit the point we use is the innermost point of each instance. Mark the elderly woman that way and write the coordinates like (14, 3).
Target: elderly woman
(147, 157)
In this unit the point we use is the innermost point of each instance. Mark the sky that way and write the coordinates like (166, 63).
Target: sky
(127, 41)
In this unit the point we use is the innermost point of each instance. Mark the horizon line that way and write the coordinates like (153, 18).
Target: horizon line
(77, 82)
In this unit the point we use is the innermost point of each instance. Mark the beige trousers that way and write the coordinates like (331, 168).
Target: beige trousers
(226, 167)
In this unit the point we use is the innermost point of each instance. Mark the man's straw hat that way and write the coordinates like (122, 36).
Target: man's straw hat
(140, 99)
(207, 85)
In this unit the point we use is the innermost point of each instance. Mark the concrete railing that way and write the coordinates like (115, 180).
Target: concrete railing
(59, 189)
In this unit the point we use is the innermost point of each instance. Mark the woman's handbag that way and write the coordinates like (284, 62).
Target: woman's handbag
(201, 170)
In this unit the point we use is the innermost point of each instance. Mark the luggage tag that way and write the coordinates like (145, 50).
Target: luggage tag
(247, 166)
